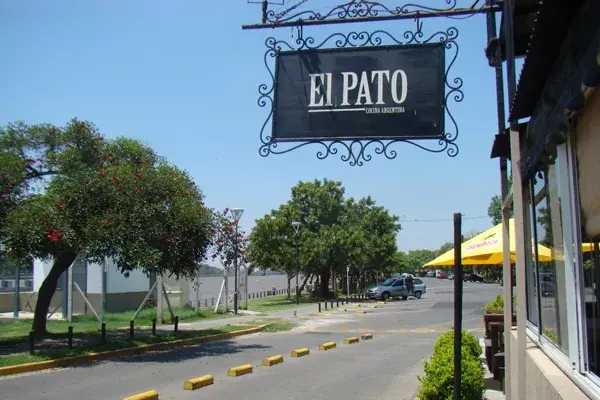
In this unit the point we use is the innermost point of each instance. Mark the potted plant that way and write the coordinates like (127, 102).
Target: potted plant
(494, 311)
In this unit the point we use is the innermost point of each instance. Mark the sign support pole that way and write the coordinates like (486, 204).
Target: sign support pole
(458, 308)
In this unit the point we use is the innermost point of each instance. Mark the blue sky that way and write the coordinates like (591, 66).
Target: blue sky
(183, 77)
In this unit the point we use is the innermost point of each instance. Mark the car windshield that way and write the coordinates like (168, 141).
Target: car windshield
(387, 282)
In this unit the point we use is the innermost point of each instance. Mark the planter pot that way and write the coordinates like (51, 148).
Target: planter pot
(487, 318)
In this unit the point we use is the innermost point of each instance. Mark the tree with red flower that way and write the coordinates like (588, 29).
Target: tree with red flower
(82, 211)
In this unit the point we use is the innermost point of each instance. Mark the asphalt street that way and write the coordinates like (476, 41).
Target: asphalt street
(381, 368)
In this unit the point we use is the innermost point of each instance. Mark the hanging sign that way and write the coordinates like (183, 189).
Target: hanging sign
(383, 92)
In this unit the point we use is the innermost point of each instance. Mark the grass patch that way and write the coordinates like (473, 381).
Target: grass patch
(22, 358)
(277, 324)
(275, 303)
(18, 329)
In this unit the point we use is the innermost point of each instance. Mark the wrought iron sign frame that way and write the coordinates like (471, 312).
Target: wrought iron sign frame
(357, 151)
(354, 9)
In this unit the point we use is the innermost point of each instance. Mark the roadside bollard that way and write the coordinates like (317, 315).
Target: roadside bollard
(131, 329)
(325, 304)
(332, 304)
(319, 303)
(70, 337)
(176, 323)
(103, 332)
(31, 342)
(338, 302)
(153, 326)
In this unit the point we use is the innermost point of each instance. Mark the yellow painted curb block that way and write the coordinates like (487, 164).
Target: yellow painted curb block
(270, 361)
(367, 336)
(197, 383)
(342, 309)
(402, 330)
(360, 312)
(149, 395)
(78, 360)
(327, 346)
(351, 340)
(382, 302)
(372, 306)
(421, 330)
(300, 352)
(240, 370)
(357, 305)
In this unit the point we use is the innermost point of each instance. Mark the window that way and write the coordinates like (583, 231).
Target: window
(418, 282)
(399, 282)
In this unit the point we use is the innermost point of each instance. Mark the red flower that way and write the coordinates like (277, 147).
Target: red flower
(54, 235)
(53, 131)
(121, 187)
(11, 252)
(229, 229)
(101, 172)
(137, 189)
(59, 205)
(115, 179)
(4, 191)
(106, 221)
(152, 260)
(107, 155)
(185, 194)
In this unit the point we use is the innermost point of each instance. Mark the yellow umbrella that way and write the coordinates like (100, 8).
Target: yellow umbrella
(587, 247)
(486, 249)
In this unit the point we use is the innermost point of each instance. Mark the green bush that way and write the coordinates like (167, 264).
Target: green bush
(438, 382)
(496, 306)
(470, 343)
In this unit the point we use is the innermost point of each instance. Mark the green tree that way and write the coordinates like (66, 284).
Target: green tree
(335, 233)
(495, 208)
(77, 194)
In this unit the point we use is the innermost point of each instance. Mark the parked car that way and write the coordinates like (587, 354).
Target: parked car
(431, 274)
(441, 274)
(395, 288)
(473, 278)
(451, 276)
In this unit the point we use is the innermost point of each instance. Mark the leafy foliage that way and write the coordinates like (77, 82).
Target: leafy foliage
(335, 233)
(66, 192)
(228, 241)
(438, 382)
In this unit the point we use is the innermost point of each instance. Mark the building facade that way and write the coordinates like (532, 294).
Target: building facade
(554, 141)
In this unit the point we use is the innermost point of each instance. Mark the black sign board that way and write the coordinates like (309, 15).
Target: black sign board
(383, 92)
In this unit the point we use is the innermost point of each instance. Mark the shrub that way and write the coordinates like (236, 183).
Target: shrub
(438, 382)
(470, 343)
(496, 306)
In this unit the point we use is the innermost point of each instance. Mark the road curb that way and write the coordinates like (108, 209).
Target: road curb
(149, 395)
(327, 346)
(270, 361)
(300, 352)
(78, 360)
(197, 383)
(367, 336)
(351, 340)
(240, 370)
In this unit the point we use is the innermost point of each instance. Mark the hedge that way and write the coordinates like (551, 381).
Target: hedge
(438, 382)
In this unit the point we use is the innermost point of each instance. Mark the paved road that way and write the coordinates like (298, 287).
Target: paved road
(382, 368)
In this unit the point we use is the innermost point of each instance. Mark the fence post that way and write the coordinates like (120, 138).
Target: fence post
(154, 326)
(70, 337)
(131, 329)
(176, 323)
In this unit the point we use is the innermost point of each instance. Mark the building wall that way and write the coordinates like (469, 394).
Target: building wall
(544, 380)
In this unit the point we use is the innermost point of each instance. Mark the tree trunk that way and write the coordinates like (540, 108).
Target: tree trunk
(304, 283)
(289, 292)
(324, 279)
(47, 289)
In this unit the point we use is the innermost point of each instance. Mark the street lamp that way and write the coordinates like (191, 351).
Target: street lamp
(296, 226)
(236, 213)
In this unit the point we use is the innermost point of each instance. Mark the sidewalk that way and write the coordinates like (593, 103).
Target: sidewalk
(241, 319)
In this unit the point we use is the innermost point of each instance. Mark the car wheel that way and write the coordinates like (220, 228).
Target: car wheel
(385, 296)
(418, 294)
